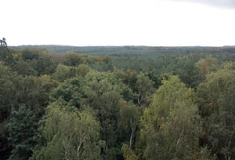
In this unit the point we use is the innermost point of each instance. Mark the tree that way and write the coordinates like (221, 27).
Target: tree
(7, 100)
(69, 134)
(128, 153)
(73, 59)
(22, 129)
(129, 123)
(29, 54)
(206, 65)
(216, 99)
(128, 77)
(141, 86)
(102, 94)
(63, 72)
(144, 88)
(129, 120)
(5, 53)
(170, 126)
(45, 64)
(24, 68)
(187, 70)
(82, 70)
(70, 92)
(34, 92)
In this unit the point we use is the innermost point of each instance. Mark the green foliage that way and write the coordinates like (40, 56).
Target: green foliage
(29, 54)
(206, 66)
(7, 100)
(82, 70)
(34, 92)
(7, 88)
(103, 95)
(24, 68)
(14, 90)
(3, 52)
(128, 77)
(170, 126)
(34, 62)
(73, 59)
(22, 130)
(140, 87)
(70, 92)
(216, 99)
(45, 64)
(6, 55)
(69, 134)
(63, 72)
(144, 87)
(108, 104)
(129, 120)
(186, 69)
(128, 153)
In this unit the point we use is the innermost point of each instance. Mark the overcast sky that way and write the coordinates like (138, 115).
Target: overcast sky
(118, 22)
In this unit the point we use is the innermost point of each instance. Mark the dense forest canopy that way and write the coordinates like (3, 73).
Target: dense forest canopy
(117, 103)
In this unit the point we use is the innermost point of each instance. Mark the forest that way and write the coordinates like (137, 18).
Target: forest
(117, 103)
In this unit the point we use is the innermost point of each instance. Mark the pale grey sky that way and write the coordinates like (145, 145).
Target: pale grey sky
(118, 22)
